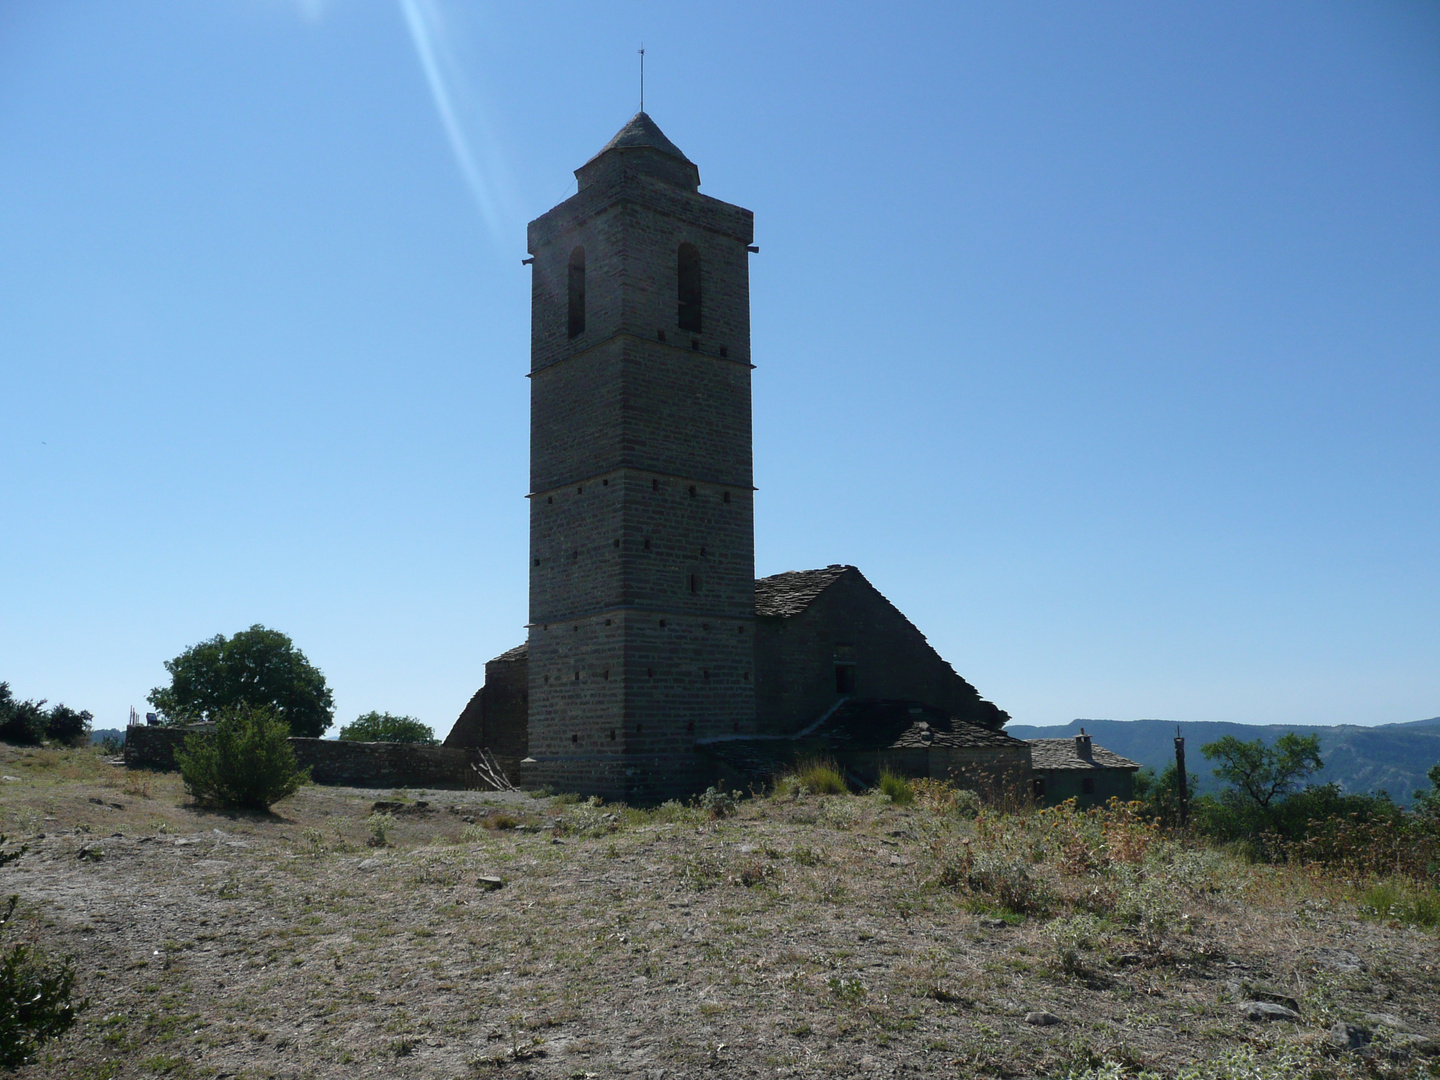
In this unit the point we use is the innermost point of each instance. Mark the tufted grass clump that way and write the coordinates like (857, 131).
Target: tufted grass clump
(817, 776)
(897, 787)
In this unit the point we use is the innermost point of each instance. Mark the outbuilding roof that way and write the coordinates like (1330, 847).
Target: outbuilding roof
(874, 724)
(1063, 754)
(509, 656)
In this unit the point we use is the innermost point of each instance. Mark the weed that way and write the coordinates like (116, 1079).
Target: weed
(1401, 901)
(719, 803)
(851, 991)
(137, 783)
(379, 826)
(757, 872)
(805, 855)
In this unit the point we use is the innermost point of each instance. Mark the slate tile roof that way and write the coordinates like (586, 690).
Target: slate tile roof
(509, 656)
(789, 594)
(641, 131)
(1061, 754)
(869, 724)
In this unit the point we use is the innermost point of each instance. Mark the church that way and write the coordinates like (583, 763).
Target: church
(655, 663)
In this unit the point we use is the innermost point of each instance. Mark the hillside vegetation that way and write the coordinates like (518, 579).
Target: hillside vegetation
(795, 934)
(1390, 757)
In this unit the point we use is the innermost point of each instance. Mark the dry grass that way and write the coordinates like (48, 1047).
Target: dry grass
(803, 936)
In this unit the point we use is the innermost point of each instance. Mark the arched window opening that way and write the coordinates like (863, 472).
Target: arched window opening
(577, 292)
(689, 318)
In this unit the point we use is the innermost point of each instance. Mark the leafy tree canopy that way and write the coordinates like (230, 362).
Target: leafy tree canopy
(257, 667)
(1427, 800)
(1263, 773)
(385, 727)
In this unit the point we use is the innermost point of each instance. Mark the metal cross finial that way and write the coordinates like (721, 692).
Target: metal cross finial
(642, 76)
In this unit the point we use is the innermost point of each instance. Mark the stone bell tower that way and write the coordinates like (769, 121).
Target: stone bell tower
(642, 538)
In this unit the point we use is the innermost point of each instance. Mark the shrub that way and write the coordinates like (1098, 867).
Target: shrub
(1003, 880)
(718, 802)
(897, 787)
(386, 727)
(246, 762)
(380, 826)
(35, 992)
(66, 725)
(21, 722)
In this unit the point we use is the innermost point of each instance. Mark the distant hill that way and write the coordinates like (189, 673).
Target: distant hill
(1390, 757)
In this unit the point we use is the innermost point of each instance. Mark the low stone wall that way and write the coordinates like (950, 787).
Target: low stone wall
(354, 764)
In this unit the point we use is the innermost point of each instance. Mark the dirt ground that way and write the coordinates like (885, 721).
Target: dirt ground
(802, 936)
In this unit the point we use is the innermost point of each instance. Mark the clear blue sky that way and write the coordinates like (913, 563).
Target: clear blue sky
(1102, 337)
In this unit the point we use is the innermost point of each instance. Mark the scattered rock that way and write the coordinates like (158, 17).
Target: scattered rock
(487, 881)
(993, 924)
(1414, 1041)
(1260, 992)
(389, 806)
(1349, 1036)
(1042, 1018)
(370, 864)
(1340, 961)
(1130, 959)
(10, 779)
(1265, 1011)
(939, 993)
(1386, 1020)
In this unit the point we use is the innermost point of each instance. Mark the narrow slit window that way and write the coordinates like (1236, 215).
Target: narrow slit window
(577, 292)
(694, 583)
(689, 274)
(844, 678)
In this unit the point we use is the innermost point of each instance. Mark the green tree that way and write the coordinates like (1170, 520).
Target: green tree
(21, 722)
(257, 667)
(1161, 795)
(1263, 773)
(386, 727)
(247, 761)
(1427, 800)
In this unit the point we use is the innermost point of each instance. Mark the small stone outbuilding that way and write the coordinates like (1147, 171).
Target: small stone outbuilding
(1077, 769)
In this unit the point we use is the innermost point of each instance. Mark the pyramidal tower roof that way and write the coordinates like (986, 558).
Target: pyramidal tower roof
(641, 145)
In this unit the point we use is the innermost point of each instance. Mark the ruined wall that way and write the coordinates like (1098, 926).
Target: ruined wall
(851, 623)
(496, 717)
(354, 764)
